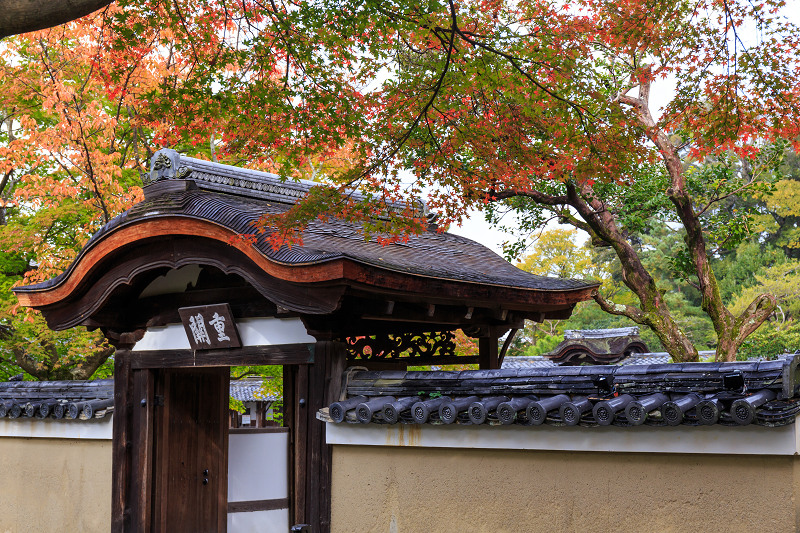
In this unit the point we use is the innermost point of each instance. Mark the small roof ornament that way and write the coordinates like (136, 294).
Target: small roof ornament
(164, 165)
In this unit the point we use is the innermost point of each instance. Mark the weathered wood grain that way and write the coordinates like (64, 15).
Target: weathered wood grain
(278, 354)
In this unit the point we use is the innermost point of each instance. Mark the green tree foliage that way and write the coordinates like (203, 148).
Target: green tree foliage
(739, 269)
(782, 280)
(770, 340)
(555, 253)
(779, 220)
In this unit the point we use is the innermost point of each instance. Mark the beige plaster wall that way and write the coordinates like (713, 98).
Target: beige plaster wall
(414, 490)
(55, 485)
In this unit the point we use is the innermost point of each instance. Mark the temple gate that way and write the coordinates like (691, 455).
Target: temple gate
(183, 298)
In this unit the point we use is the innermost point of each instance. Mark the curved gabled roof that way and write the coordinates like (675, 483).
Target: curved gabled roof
(431, 254)
(219, 202)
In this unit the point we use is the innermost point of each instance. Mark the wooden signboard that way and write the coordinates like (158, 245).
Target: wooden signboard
(210, 327)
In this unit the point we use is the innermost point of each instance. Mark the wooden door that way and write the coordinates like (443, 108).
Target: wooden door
(190, 450)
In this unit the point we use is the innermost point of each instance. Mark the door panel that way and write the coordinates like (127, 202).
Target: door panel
(190, 450)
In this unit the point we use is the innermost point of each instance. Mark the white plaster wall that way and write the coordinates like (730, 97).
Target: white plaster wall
(258, 470)
(257, 466)
(96, 429)
(263, 331)
(275, 521)
(717, 439)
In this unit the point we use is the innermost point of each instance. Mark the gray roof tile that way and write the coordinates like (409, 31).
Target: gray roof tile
(675, 381)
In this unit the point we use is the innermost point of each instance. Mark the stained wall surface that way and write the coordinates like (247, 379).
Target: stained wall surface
(55, 485)
(411, 489)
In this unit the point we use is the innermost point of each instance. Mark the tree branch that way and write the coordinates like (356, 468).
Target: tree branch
(27, 363)
(634, 313)
(90, 364)
(754, 315)
(537, 196)
(21, 16)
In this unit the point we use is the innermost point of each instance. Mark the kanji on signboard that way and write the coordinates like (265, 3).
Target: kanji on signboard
(198, 326)
(197, 319)
(219, 324)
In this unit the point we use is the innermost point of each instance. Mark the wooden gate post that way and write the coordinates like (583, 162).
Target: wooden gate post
(488, 355)
(121, 442)
(308, 388)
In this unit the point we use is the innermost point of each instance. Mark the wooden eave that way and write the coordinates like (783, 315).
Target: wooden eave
(92, 278)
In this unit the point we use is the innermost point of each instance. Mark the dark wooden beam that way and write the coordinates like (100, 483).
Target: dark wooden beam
(268, 429)
(258, 505)
(361, 316)
(278, 354)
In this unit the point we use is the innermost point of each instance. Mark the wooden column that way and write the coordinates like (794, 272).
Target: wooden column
(141, 439)
(295, 390)
(121, 442)
(488, 351)
(308, 388)
(132, 446)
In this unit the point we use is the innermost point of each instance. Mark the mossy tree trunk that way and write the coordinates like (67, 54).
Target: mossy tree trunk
(603, 226)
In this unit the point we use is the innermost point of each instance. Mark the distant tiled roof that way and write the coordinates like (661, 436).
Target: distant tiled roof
(608, 333)
(753, 392)
(646, 359)
(249, 390)
(247, 195)
(538, 361)
(83, 400)
(522, 361)
(601, 346)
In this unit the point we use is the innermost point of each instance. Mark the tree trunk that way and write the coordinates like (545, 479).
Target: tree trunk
(731, 331)
(653, 311)
(21, 16)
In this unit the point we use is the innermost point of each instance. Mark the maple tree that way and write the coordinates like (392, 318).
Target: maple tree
(547, 107)
(81, 115)
(68, 158)
(540, 107)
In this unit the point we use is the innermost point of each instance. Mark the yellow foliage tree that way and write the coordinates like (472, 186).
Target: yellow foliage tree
(782, 280)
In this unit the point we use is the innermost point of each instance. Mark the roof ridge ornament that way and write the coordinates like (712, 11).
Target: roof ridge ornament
(164, 165)
(166, 174)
